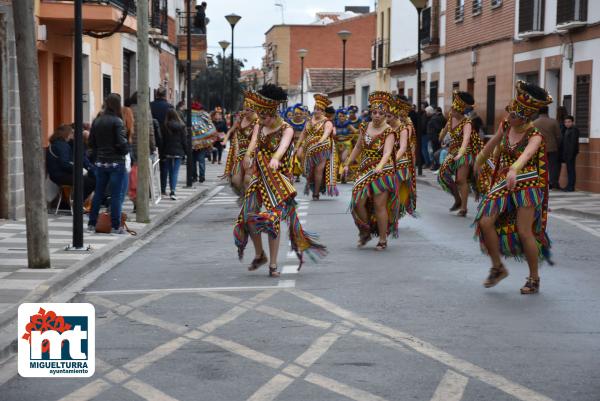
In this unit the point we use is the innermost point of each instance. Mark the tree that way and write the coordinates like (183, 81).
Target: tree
(207, 85)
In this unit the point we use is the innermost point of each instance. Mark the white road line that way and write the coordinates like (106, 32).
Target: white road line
(222, 320)
(451, 388)
(286, 284)
(379, 340)
(244, 351)
(88, 392)
(270, 390)
(143, 318)
(302, 207)
(10, 284)
(146, 300)
(302, 214)
(281, 314)
(291, 255)
(146, 391)
(467, 368)
(142, 362)
(342, 389)
(572, 221)
(289, 269)
(317, 349)
(302, 221)
(181, 290)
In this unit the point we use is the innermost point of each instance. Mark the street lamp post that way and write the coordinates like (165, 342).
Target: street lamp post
(302, 53)
(224, 45)
(419, 5)
(78, 140)
(232, 19)
(277, 63)
(188, 97)
(344, 35)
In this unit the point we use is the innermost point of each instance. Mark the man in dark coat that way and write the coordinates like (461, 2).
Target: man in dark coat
(159, 108)
(569, 150)
(551, 131)
(200, 18)
(434, 126)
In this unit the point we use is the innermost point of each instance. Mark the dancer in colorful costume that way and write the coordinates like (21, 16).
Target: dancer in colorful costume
(455, 174)
(270, 197)
(241, 133)
(512, 216)
(298, 121)
(343, 139)
(374, 202)
(406, 185)
(318, 152)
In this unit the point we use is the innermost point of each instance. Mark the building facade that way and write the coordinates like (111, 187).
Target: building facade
(324, 47)
(556, 46)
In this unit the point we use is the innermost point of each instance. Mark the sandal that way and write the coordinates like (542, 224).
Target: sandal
(273, 271)
(381, 246)
(455, 207)
(258, 262)
(532, 286)
(316, 197)
(363, 238)
(496, 275)
(462, 213)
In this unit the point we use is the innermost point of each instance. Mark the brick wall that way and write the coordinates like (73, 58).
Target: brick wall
(588, 166)
(325, 47)
(491, 24)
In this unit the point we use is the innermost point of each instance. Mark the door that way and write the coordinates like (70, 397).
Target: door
(553, 88)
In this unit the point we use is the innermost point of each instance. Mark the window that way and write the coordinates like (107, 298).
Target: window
(571, 10)
(455, 86)
(426, 26)
(477, 6)
(490, 116)
(582, 105)
(459, 11)
(531, 15)
(433, 93)
(496, 3)
(364, 99)
(471, 86)
(128, 73)
(106, 86)
(388, 36)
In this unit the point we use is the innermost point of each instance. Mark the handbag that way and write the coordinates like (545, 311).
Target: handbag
(104, 223)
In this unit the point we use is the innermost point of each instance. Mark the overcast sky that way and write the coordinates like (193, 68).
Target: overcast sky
(257, 17)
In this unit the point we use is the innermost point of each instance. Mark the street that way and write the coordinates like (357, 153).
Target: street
(182, 319)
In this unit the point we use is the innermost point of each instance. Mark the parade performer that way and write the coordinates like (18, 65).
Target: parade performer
(270, 197)
(512, 216)
(298, 122)
(374, 202)
(406, 185)
(204, 134)
(318, 152)
(343, 139)
(456, 171)
(241, 133)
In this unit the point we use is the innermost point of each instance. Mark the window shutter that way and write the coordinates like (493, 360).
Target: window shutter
(582, 105)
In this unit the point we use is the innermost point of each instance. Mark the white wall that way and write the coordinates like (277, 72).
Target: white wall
(366, 79)
(582, 51)
(593, 15)
(403, 41)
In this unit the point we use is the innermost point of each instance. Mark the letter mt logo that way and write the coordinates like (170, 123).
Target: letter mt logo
(57, 340)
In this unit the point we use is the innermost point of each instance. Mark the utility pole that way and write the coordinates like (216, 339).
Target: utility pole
(142, 122)
(188, 94)
(36, 213)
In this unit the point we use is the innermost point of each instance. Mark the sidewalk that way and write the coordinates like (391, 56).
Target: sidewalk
(19, 284)
(579, 204)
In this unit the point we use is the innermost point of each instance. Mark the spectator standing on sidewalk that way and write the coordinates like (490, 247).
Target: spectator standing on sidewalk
(221, 126)
(550, 129)
(175, 145)
(159, 108)
(109, 146)
(570, 149)
(200, 19)
(424, 116)
(436, 123)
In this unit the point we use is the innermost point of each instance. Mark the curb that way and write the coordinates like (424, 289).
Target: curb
(561, 211)
(84, 267)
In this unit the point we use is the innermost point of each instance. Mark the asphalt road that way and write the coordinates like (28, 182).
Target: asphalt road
(182, 319)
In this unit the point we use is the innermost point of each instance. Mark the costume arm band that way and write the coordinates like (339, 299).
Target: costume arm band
(516, 166)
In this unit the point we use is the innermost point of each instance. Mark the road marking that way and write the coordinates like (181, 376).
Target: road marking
(302, 214)
(244, 351)
(451, 388)
(376, 338)
(281, 314)
(302, 221)
(272, 388)
(225, 318)
(317, 349)
(289, 269)
(342, 389)
(291, 255)
(303, 207)
(286, 284)
(182, 290)
(467, 368)
(572, 221)
(142, 362)
(88, 392)
(143, 318)
(146, 391)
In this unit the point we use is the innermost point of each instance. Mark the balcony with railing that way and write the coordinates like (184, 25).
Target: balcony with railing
(380, 53)
(198, 41)
(98, 15)
(571, 14)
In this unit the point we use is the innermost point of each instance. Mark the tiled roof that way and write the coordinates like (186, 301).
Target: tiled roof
(324, 79)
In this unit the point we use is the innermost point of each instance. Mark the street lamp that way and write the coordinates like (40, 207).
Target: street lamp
(224, 45)
(188, 95)
(277, 63)
(302, 53)
(419, 5)
(344, 35)
(232, 19)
